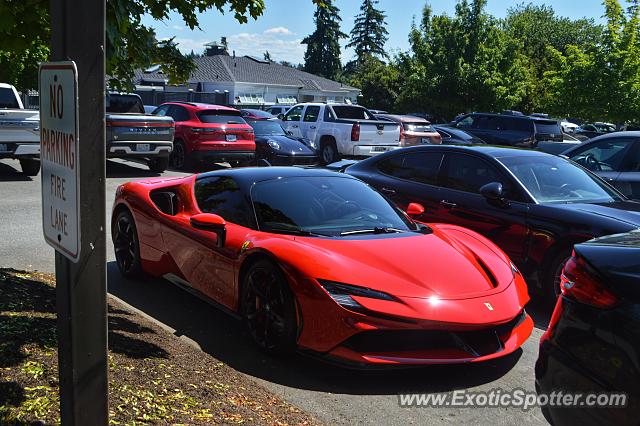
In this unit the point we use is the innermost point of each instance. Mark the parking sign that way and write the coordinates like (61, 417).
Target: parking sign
(59, 157)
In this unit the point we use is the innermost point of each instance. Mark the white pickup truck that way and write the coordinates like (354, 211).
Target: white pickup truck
(19, 131)
(341, 130)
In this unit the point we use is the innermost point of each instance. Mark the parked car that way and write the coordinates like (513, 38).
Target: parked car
(615, 157)
(557, 148)
(592, 344)
(134, 135)
(568, 127)
(208, 134)
(509, 130)
(277, 110)
(341, 130)
(592, 130)
(534, 205)
(413, 130)
(257, 114)
(319, 261)
(453, 136)
(278, 148)
(377, 111)
(431, 118)
(19, 131)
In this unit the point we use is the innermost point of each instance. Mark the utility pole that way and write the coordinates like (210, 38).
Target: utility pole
(78, 35)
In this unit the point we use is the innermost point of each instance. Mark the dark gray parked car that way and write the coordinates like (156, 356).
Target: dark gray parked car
(615, 157)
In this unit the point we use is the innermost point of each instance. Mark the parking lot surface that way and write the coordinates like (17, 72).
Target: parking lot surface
(332, 394)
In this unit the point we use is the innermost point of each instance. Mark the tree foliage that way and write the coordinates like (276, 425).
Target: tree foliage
(322, 56)
(25, 29)
(369, 33)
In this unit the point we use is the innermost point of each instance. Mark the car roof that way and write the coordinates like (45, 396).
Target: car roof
(200, 106)
(631, 134)
(487, 150)
(404, 118)
(247, 176)
(519, 117)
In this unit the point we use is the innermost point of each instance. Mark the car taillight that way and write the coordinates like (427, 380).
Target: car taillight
(401, 133)
(203, 130)
(355, 132)
(579, 282)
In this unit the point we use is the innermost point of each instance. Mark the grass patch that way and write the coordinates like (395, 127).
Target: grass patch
(154, 378)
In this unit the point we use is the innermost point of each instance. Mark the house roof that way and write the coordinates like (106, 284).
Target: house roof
(244, 69)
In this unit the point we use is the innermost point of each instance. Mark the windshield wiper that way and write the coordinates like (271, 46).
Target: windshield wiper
(375, 230)
(301, 232)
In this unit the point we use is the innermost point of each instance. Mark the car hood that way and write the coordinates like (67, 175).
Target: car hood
(288, 145)
(627, 212)
(446, 264)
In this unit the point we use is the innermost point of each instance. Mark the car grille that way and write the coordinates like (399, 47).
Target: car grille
(475, 342)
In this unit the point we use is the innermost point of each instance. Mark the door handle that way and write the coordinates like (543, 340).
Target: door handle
(388, 191)
(295, 125)
(312, 127)
(448, 204)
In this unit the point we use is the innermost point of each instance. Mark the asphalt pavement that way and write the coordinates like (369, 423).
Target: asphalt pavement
(332, 394)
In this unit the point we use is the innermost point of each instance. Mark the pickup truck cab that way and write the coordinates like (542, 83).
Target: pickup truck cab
(19, 131)
(341, 130)
(134, 135)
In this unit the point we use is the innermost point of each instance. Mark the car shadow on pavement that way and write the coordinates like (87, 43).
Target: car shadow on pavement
(223, 337)
(13, 174)
(117, 169)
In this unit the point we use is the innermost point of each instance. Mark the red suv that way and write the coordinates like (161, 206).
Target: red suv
(208, 134)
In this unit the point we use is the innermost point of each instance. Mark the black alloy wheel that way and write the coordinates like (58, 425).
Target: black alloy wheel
(125, 245)
(268, 308)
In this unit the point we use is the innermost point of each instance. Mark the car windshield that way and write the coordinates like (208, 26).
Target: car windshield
(323, 205)
(352, 112)
(266, 128)
(221, 117)
(556, 180)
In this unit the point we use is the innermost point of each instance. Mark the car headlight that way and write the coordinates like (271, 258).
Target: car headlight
(341, 294)
(273, 144)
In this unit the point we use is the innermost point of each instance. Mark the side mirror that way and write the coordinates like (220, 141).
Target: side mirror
(414, 209)
(213, 223)
(281, 116)
(492, 191)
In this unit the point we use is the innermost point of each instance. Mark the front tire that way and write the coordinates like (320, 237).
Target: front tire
(179, 158)
(158, 165)
(30, 167)
(268, 308)
(328, 152)
(552, 279)
(126, 245)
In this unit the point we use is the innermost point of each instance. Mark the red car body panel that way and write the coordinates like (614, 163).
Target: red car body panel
(452, 280)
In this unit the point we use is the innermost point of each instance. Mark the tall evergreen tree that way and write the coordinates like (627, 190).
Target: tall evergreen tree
(369, 33)
(323, 48)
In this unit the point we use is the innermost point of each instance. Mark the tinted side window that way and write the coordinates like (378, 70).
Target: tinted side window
(517, 124)
(294, 114)
(468, 173)
(607, 155)
(421, 167)
(311, 113)
(466, 122)
(178, 113)
(8, 99)
(222, 196)
(632, 161)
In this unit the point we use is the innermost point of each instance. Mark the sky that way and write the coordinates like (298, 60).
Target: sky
(285, 23)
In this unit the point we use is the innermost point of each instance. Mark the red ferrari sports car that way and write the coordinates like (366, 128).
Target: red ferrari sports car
(319, 261)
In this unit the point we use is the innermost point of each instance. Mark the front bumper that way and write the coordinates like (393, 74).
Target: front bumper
(415, 331)
(292, 160)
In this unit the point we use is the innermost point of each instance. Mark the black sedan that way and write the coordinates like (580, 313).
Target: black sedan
(278, 148)
(592, 344)
(615, 157)
(534, 205)
(453, 136)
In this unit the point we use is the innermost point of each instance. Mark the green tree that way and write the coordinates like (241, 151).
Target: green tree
(600, 80)
(461, 63)
(369, 33)
(25, 31)
(377, 81)
(322, 56)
